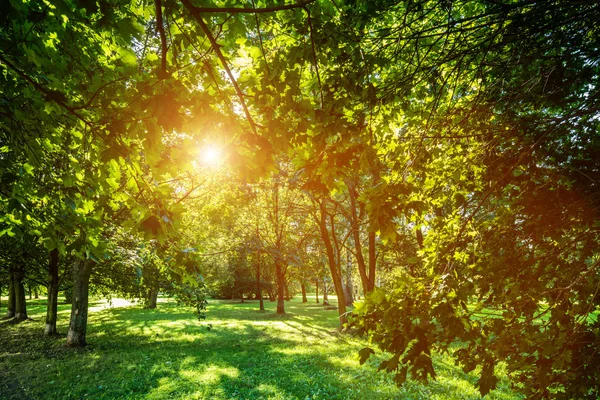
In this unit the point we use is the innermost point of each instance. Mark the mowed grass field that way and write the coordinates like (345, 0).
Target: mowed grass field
(167, 353)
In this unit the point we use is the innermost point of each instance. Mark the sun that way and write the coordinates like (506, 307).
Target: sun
(211, 155)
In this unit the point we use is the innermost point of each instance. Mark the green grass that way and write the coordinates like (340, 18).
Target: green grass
(167, 354)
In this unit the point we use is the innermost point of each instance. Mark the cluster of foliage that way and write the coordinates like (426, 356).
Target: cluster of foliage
(443, 154)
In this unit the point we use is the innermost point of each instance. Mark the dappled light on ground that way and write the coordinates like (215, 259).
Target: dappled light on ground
(167, 353)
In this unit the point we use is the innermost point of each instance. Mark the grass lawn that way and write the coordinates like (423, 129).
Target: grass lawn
(167, 354)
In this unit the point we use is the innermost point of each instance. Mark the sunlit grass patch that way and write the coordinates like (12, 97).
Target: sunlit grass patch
(167, 353)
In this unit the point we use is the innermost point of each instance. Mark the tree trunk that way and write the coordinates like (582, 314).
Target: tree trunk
(30, 291)
(36, 294)
(258, 288)
(362, 267)
(372, 262)
(10, 307)
(325, 298)
(349, 289)
(280, 288)
(152, 298)
(333, 266)
(303, 286)
(52, 306)
(317, 290)
(287, 292)
(20, 303)
(79, 311)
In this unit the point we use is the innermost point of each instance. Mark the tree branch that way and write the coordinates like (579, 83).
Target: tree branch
(163, 39)
(237, 10)
(196, 14)
(314, 54)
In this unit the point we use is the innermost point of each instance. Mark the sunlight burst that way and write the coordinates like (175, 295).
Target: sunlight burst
(211, 155)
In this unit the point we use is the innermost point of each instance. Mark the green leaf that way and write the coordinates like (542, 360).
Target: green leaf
(128, 57)
(364, 354)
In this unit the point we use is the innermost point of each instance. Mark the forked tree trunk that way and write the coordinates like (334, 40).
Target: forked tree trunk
(334, 266)
(280, 288)
(10, 307)
(79, 311)
(20, 303)
(303, 286)
(51, 309)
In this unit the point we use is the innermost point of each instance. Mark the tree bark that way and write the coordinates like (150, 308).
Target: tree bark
(52, 307)
(280, 288)
(317, 290)
(10, 307)
(20, 303)
(79, 311)
(303, 286)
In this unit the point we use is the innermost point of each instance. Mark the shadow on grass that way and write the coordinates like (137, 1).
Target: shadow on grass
(166, 353)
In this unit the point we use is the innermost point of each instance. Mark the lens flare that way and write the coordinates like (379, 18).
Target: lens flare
(211, 155)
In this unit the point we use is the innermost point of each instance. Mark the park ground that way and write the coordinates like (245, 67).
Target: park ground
(236, 353)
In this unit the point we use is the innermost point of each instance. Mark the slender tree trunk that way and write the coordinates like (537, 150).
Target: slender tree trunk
(317, 290)
(10, 307)
(280, 275)
(280, 288)
(79, 311)
(258, 288)
(30, 291)
(20, 303)
(360, 260)
(372, 262)
(287, 292)
(303, 286)
(333, 266)
(325, 298)
(36, 294)
(349, 289)
(52, 307)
